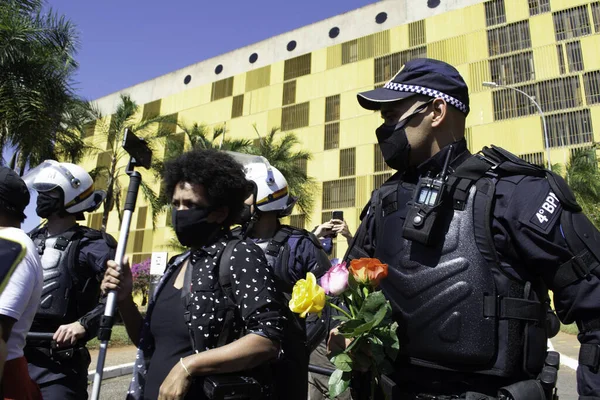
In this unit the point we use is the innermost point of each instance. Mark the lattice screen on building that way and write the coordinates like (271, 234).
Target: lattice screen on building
(222, 89)
(379, 163)
(258, 78)
(289, 93)
(379, 179)
(332, 108)
(347, 162)
(89, 129)
(387, 66)
(151, 110)
(366, 47)
(513, 69)
(495, 12)
(509, 38)
(571, 23)
(237, 106)
(141, 217)
(416, 33)
(591, 83)
(332, 135)
(534, 158)
(339, 193)
(297, 66)
(295, 116)
(569, 128)
(298, 221)
(538, 7)
(95, 220)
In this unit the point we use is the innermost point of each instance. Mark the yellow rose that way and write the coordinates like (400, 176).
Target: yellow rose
(307, 296)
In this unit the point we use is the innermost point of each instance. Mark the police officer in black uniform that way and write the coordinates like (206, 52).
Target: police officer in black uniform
(74, 258)
(473, 242)
(291, 253)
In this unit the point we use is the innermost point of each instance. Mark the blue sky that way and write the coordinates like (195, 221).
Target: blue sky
(127, 42)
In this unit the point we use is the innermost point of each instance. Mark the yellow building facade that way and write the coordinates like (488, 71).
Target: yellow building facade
(308, 81)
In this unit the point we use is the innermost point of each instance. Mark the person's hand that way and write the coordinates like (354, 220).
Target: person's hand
(324, 230)
(341, 227)
(68, 335)
(336, 343)
(121, 282)
(176, 384)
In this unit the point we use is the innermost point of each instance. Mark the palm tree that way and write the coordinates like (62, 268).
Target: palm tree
(583, 176)
(281, 154)
(113, 169)
(36, 69)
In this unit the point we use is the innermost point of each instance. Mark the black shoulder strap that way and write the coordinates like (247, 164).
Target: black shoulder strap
(225, 283)
(277, 241)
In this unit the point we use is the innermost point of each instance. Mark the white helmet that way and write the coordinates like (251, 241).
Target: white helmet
(271, 193)
(76, 184)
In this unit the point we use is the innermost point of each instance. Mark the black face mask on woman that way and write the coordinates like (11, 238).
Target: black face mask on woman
(393, 141)
(192, 228)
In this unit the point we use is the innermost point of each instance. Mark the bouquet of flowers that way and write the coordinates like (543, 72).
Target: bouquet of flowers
(365, 315)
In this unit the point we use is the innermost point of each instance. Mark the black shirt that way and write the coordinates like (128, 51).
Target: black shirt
(171, 338)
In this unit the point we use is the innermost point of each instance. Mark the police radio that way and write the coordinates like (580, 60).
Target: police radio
(423, 210)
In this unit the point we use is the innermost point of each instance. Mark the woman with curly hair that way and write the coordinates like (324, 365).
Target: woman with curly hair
(215, 329)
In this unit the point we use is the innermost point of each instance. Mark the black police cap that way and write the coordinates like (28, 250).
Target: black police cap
(423, 76)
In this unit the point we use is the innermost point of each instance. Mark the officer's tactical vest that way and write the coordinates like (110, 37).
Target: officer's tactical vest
(277, 252)
(459, 308)
(66, 293)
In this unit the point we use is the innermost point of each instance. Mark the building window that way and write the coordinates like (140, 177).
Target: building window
(538, 7)
(494, 12)
(332, 136)
(88, 129)
(571, 23)
(302, 165)
(534, 158)
(509, 38)
(380, 179)
(295, 116)
(297, 66)
(141, 217)
(574, 56)
(289, 93)
(416, 33)
(174, 146)
(237, 107)
(347, 162)
(591, 83)
(366, 47)
(332, 108)
(561, 59)
(513, 69)
(379, 163)
(338, 194)
(222, 89)
(570, 128)
(388, 66)
(552, 95)
(596, 16)
(298, 221)
(589, 151)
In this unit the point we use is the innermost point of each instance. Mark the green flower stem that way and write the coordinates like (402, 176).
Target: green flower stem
(341, 310)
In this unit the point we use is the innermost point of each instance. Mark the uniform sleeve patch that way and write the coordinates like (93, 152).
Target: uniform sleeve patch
(546, 214)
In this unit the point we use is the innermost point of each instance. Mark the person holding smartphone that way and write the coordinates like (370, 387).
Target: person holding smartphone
(327, 231)
(21, 297)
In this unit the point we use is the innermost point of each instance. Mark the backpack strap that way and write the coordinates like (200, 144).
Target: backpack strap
(225, 283)
(278, 241)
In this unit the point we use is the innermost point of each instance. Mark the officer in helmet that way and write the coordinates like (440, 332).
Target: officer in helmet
(290, 252)
(473, 243)
(74, 258)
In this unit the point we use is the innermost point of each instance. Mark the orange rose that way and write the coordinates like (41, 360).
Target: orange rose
(369, 271)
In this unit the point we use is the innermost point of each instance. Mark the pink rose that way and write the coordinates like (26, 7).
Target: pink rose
(335, 281)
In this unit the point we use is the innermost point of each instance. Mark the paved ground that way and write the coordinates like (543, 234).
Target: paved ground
(566, 344)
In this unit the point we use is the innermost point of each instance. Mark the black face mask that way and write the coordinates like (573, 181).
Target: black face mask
(191, 226)
(246, 214)
(393, 141)
(47, 205)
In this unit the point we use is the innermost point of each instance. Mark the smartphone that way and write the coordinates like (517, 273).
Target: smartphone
(138, 149)
(337, 215)
(11, 254)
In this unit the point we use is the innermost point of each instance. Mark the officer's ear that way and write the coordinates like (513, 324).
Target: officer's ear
(440, 112)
